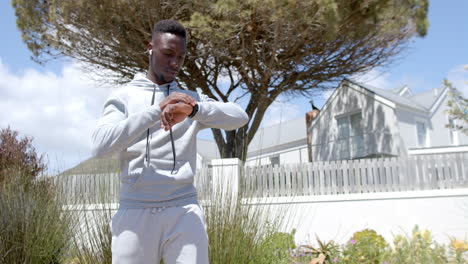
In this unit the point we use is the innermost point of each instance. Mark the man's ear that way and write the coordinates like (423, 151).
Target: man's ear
(149, 46)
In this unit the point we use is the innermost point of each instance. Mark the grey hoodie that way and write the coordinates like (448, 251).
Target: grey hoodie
(122, 129)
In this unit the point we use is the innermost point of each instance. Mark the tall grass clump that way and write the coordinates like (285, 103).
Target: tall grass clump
(93, 206)
(33, 227)
(241, 230)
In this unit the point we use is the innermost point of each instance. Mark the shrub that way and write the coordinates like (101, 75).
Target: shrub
(366, 247)
(458, 250)
(324, 252)
(18, 156)
(276, 247)
(33, 228)
(419, 248)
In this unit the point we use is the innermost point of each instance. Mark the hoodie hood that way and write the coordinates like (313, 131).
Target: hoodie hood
(140, 80)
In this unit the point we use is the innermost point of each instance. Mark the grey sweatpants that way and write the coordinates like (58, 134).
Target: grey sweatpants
(144, 236)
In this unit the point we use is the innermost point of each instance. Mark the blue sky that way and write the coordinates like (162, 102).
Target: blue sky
(59, 108)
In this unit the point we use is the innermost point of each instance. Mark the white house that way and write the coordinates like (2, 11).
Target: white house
(361, 121)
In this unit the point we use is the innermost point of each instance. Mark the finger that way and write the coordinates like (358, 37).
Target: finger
(184, 98)
(191, 101)
(163, 120)
(169, 116)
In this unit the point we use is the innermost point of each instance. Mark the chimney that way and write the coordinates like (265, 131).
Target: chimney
(309, 117)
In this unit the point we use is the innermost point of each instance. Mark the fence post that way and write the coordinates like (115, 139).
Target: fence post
(226, 177)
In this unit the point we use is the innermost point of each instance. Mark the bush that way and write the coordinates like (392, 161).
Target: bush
(275, 247)
(419, 248)
(18, 156)
(33, 228)
(458, 251)
(325, 252)
(366, 247)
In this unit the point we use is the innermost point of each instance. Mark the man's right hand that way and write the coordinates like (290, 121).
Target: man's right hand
(177, 97)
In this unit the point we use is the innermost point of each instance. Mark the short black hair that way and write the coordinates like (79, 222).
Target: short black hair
(169, 26)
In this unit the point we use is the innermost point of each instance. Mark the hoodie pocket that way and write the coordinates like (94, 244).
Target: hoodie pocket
(150, 177)
(163, 176)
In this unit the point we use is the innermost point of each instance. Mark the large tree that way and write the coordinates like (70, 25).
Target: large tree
(264, 48)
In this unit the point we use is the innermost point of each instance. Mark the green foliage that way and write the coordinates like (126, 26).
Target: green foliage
(242, 233)
(457, 109)
(33, 227)
(366, 247)
(418, 249)
(276, 247)
(458, 250)
(18, 156)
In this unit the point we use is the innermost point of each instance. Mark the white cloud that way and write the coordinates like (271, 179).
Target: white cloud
(280, 111)
(59, 111)
(374, 78)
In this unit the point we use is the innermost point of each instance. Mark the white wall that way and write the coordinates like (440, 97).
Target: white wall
(286, 156)
(337, 217)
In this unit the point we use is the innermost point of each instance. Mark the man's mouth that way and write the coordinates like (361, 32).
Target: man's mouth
(172, 72)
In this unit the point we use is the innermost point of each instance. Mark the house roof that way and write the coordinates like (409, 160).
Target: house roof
(428, 98)
(421, 101)
(279, 134)
(95, 166)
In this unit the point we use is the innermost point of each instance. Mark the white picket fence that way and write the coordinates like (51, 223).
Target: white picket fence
(429, 172)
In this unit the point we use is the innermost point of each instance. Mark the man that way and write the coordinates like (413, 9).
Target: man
(152, 125)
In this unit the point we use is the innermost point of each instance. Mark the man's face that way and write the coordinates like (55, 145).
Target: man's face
(168, 54)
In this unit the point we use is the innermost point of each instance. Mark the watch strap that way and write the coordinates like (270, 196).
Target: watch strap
(194, 111)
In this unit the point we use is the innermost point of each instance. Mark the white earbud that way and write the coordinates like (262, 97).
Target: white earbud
(150, 52)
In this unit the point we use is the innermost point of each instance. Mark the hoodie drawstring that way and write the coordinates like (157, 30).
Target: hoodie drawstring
(148, 133)
(147, 155)
(172, 143)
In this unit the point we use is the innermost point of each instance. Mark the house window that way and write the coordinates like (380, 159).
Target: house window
(275, 160)
(357, 135)
(350, 141)
(343, 137)
(421, 133)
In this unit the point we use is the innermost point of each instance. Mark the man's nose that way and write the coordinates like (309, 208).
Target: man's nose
(173, 62)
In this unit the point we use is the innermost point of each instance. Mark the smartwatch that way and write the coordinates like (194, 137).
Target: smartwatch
(194, 111)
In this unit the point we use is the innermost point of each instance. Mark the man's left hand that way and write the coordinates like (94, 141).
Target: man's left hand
(174, 113)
